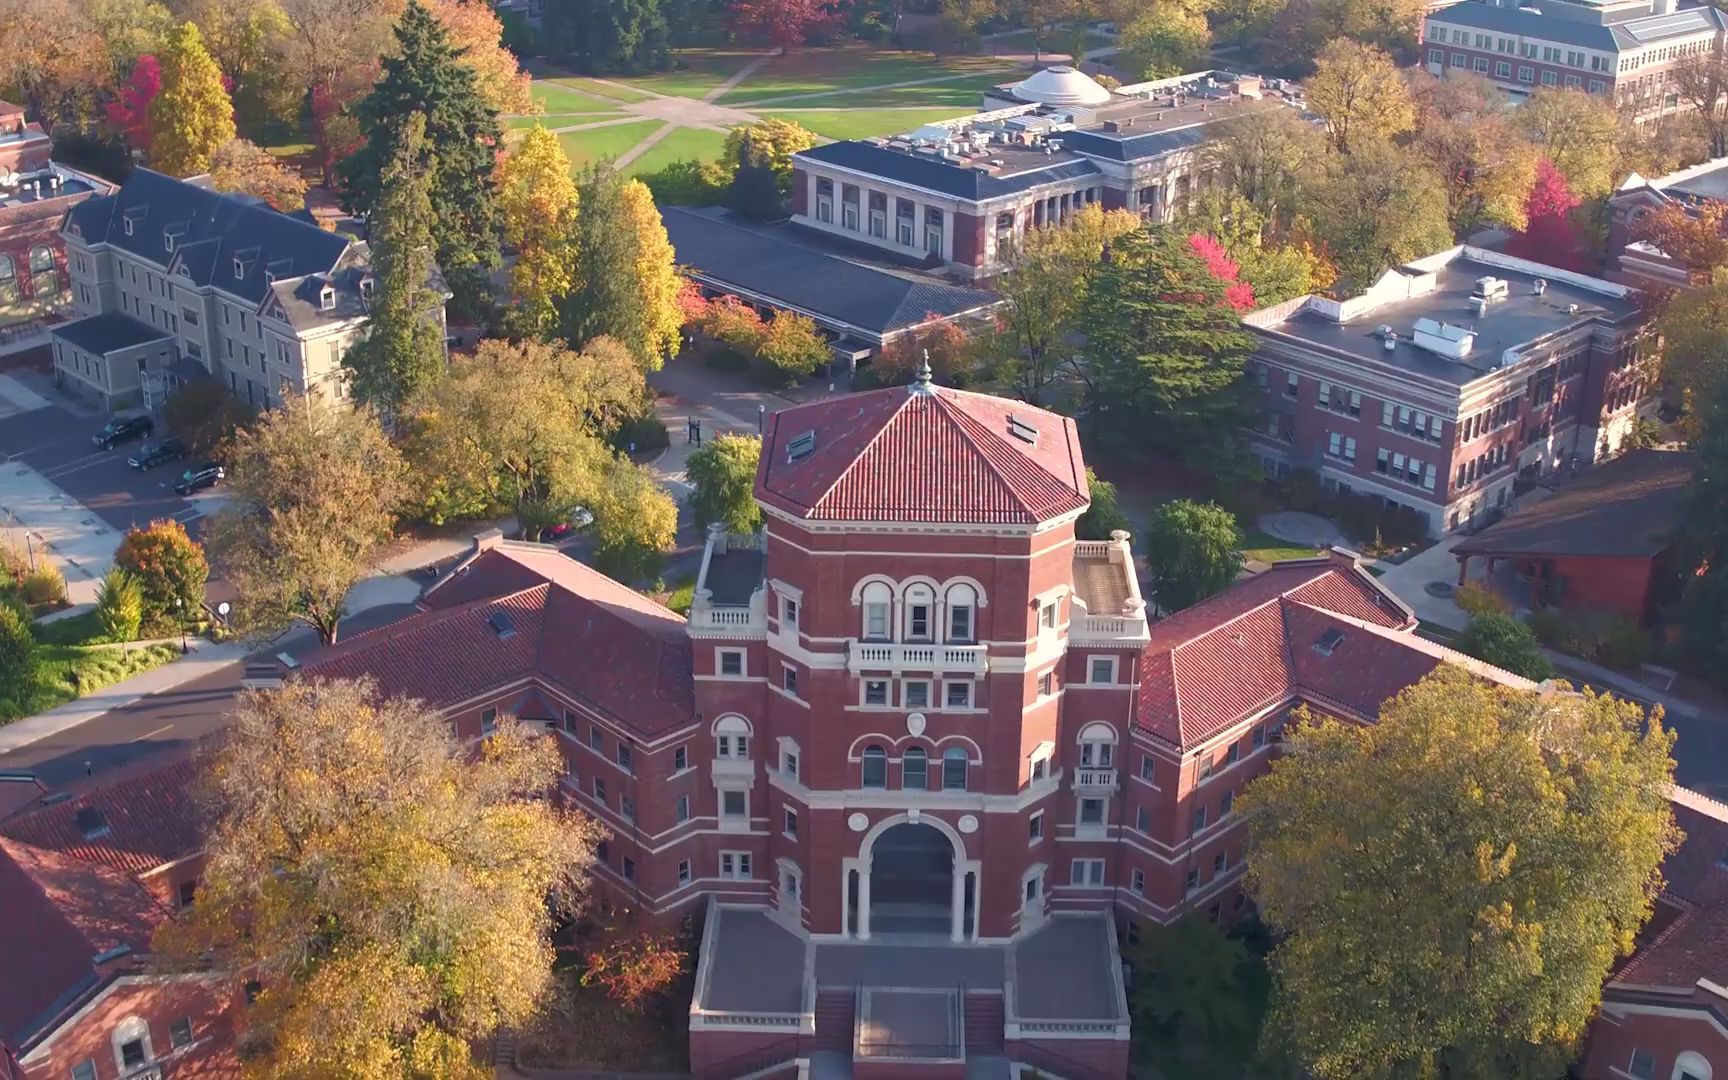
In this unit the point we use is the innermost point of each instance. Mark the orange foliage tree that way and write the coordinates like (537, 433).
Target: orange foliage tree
(633, 963)
(1698, 241)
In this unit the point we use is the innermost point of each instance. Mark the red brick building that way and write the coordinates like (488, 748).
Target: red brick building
(86, 877)
(1665, 1013)
(1638, 262)
(914, 737)
(35, 194)
(1447, 379)
(1602, 543)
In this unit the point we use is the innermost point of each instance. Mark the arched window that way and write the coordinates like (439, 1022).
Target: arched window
(954, 769)
(1691, 1065)
(875, 767)
(962, 614)
(920, 609)
(131, 1041)
(878, 604)
(44, 279)
(1097, 747)
(8, 280)
(732, 737)
(915, 770)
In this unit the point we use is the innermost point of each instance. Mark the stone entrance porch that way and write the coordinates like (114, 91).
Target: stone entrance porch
(768, 999)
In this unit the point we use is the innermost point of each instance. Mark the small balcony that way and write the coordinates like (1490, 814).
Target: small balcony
(731, 600)
(1092, 781)
(898, 656)
(732, 767)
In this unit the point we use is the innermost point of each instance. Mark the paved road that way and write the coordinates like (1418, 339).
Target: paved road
(173, 720)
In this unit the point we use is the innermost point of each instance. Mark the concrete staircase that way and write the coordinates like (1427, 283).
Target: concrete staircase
(836, 1012)
(984, 1023)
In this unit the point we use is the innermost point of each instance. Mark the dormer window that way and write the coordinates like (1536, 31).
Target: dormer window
(326, 298)
(269, 278)
(126, 225)
(168, 241)
(366, 284)
(241, 268)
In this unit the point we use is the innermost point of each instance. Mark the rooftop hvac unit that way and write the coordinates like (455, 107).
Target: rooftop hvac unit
(1443, 339)
(1478, 306)
(1539, 286)
(1571, 309)
(1489, 288)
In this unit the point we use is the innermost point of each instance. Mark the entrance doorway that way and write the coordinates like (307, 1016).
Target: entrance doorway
(911, 881)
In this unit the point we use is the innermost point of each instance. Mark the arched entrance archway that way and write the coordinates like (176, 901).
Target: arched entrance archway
(911, 876)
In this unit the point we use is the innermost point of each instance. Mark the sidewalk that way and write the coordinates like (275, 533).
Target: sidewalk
(725, 403)
(38, 515)
(206, 658)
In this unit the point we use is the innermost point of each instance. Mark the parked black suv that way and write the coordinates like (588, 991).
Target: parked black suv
(161, 452)
(123, 429)
(198, 477)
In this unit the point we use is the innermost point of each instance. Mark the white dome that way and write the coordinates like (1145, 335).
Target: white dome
(1060, 85)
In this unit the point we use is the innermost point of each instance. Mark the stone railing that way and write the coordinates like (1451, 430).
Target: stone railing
(905, 656)
(1095, 778)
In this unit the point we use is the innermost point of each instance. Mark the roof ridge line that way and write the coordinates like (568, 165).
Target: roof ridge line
(965, 421)
(869, 444)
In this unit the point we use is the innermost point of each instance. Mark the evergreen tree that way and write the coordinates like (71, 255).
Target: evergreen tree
(626, 282)
(428, 77)
(1164, 350)
(1704, 543)
(191, 115)
(403, 351)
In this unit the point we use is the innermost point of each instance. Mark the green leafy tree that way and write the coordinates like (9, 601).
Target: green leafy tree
(1506, 643)
(1468, 137)
(403, 350)
(1164, 351)
(192, 115)
(635, 523)
(527, 425)
(597, 36)
(1265, 158)
(1703, 549)
(1276, 271)
(1188, 980)
(1521, 833)
(314, 488)
(1579, 132)
(1378, 208)
(170, 569)
(1693, 330)
(1103, 516)
(1192, 550)
(426, 77)
(1359, 93)
(723, 472)
(392, 889)
(119, 605)
(626, 282)
(770, 143)
(17, 651)
(1168, 38)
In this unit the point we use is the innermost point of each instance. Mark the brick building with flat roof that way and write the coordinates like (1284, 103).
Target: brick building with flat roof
(35, 194)
(1447, 379)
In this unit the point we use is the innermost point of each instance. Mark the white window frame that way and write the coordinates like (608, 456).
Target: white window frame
(1086, 873)
(906, 686)
(684, 874)
(950, 685)
(864, 688)
(1137, 882)
(1092, 663)
(720, 658)
(734, 822)
(1035, 829)
(735, 866)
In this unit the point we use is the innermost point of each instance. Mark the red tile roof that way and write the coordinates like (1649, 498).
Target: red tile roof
(574, 629)
(35, 938)
(1695, 945)
(1253, 647)
(942, 456)
(149, 818)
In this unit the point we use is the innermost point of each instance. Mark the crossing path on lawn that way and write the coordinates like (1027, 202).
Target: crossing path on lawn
(703, 114)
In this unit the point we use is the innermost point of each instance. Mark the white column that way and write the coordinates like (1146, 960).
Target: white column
(864, 903)
(956, 915)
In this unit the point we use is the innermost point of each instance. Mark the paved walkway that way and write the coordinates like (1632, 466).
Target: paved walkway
(1301, 528)
(41, 518)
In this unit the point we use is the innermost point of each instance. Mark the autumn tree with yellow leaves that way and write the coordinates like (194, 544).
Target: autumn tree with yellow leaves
(393, 890)
(1451, 885)
(538, 200)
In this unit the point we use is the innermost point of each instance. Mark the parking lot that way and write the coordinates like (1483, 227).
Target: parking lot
(54, 440)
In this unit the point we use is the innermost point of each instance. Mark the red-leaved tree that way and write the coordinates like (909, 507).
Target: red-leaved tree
(632, 963)
(692, 303)
(1238, 294)
(1549, 235)
(1695, 237)
(785, 23)
(130, 112)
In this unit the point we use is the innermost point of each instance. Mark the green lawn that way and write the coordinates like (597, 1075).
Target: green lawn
(605, 142)
(862, 123)
(556, 97)
(612, 89)
(64, 672)
(829, 71)
(1263, 547)
(558, 120)
(698, 71)
(684, 144)
(1051, 41)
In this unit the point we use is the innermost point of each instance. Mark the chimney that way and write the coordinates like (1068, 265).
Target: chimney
(488, 540)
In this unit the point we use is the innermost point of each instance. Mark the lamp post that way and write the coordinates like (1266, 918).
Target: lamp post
(180, 617)
(761, 416)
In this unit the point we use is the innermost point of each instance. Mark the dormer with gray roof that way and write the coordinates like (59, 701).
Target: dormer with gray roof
(260, 300)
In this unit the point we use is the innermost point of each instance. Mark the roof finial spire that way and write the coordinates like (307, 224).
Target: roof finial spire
(921, 383)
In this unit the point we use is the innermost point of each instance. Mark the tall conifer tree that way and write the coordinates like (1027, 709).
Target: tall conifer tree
(462, 135)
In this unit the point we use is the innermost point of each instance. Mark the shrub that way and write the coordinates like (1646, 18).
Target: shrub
(1478, 599)
(43, 585)
(1104, 516)
(730, 361)
(169, 567)
(1549, 628)
(204, 415)
(1302, 489)
(119, 606)
(17, 648)
(14, 564)
(646, 432)
(1623, 643)
(1506, 643)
